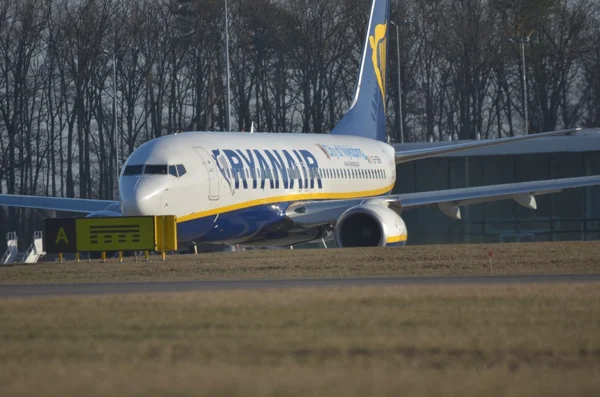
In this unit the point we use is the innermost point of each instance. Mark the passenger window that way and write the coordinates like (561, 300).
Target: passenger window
(173, 171)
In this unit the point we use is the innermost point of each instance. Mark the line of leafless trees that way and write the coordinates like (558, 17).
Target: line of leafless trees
(66, 122)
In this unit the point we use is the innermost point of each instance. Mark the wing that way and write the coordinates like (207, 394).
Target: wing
(409, 155)
(317, 213)
(55, 203)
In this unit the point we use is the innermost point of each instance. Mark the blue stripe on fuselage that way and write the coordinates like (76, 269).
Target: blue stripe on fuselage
(233, 225)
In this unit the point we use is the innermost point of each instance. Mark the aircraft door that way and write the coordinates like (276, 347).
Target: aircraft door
(211, 169)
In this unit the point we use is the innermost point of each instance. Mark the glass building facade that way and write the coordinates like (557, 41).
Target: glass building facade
(573, 214)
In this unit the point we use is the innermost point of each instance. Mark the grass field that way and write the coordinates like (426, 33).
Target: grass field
(567, 257)
(534, 340)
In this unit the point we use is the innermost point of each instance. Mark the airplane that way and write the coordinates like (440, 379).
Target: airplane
(265, 189)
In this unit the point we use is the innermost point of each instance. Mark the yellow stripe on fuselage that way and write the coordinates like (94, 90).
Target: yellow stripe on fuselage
(396, 239)
(285, 198)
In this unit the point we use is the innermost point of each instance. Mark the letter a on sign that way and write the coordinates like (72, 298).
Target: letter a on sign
(61, 236)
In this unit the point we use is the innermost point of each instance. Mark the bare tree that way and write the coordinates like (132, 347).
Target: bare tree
(554, 52)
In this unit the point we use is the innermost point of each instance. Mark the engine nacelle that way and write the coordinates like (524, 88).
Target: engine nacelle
(370, 225)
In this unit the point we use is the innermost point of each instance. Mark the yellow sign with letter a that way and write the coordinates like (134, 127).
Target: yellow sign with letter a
(133, 233)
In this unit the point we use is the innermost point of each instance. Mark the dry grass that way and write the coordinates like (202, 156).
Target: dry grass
(544, 258)
(535, 340)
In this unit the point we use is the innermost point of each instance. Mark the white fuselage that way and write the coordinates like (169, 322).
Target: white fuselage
(229, 172)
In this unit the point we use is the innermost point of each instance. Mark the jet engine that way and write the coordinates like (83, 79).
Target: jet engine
(370, 225)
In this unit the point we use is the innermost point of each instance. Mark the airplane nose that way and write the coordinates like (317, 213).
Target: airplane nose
(140, 198)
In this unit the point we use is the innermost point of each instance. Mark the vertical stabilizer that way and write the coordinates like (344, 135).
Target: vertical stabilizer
(366, 116)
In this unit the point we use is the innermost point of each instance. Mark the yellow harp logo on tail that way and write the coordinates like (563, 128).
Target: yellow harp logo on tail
(378, 42)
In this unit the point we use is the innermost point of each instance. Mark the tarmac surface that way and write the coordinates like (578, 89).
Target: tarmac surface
(31, 290)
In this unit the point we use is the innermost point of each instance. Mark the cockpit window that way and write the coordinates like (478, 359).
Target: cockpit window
(133, 170)
(155, 169)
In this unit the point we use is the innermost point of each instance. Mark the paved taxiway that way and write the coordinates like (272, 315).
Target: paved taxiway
(25, 290)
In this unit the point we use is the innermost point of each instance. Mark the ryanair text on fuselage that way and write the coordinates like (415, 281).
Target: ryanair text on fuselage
(287, 169)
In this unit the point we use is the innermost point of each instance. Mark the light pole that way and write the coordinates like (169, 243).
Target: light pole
(399, 81)
(227, 66)
(522, 41)
(117, 132)
(116, 137)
